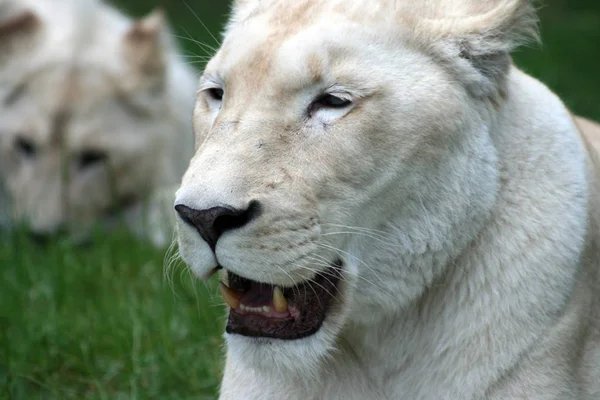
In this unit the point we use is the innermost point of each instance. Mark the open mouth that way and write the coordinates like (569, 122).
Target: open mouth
(264, 310)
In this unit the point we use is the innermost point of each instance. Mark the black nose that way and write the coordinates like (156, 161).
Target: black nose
(43, 237)
(213, 222)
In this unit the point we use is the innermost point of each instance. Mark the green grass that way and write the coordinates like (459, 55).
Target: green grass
(101, 322)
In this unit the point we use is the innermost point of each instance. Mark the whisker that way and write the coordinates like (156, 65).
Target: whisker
(288, 274)
(322, 262)
(194, 63)
(323, 273)
(360, 228)
(200, 44)
(172, 256)
(326, 264)
(199, 20)
(345, 273)
(195, 57)
(359, 234)
(311, 282)
(326, 246)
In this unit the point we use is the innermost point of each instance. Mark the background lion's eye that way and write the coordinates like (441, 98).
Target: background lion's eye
(25, 147)
(216, 94)
(331, 101)
(91, 157)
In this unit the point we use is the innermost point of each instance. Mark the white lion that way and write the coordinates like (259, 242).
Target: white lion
(94, 117)
(592, 131)
(399, 212)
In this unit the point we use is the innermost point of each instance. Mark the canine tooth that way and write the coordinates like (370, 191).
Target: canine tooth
(279, 300)
(231, 297)
(266, 309)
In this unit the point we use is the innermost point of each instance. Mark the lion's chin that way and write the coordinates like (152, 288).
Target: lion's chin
(301, 357)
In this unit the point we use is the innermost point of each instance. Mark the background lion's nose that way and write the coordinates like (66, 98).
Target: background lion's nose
(213, 222)
(41, 238)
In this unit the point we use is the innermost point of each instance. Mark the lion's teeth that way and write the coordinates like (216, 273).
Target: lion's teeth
(231, 297)
(279, 300)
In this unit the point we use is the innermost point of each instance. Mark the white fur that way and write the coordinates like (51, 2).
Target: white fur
(457, 190)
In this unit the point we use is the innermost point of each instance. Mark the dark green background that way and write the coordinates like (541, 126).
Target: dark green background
(568, 60)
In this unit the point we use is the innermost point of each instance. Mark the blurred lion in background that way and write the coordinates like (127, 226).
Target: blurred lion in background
(95, 122)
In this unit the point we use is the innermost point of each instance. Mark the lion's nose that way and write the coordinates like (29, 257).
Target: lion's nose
(213, 222)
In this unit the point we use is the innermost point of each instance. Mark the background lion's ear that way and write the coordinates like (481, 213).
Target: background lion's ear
(479, 35)
(16, 23)
(145, 44)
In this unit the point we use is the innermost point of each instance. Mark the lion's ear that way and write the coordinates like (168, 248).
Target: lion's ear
(244, 3)
(15, 23)
(479, 36)
(145, 44)
(241, 9)
(240, 5)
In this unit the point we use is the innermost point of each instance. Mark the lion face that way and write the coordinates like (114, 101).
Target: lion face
(61, 163)
(85, 123)
(334, 150)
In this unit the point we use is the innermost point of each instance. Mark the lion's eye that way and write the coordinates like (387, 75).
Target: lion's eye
(90, 158)
(330, 101)
(216, 94)
(25, 147)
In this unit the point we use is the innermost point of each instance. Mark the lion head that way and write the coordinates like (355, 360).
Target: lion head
(343, 159)
(93, 112)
